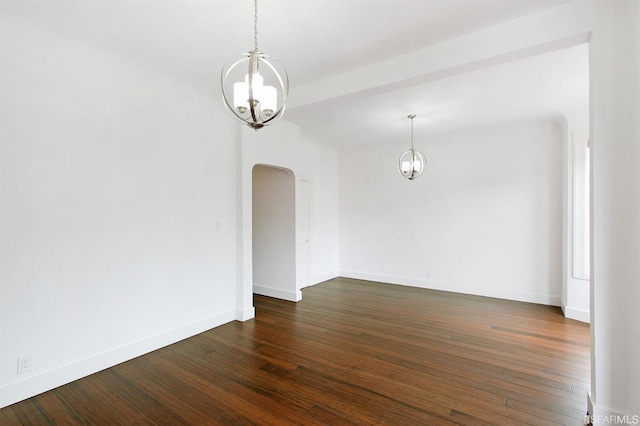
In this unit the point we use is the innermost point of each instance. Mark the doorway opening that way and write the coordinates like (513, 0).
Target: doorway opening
(274, 233)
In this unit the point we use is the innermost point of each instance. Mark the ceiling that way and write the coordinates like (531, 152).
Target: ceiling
(552, 86)
(190, 40)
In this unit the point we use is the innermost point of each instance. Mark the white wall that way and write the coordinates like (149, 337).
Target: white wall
(113, 176)
(274, 239)
(615, 215)
(484, 218)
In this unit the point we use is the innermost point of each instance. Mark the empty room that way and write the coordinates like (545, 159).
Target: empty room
(319, 212)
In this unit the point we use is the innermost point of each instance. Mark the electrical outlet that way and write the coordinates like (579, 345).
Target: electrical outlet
(428, 275)
(24, 364)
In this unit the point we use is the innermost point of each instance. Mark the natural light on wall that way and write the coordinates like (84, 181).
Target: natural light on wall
(581, 217)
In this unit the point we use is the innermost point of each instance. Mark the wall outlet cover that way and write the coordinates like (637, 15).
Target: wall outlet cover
(24, 364)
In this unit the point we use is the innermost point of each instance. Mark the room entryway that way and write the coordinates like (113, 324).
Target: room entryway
(274, 228)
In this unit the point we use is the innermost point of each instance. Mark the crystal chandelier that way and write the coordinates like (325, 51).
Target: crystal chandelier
(412, 163)
(255, 85)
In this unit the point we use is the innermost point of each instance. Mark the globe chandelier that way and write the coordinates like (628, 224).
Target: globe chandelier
(255, 85)
(411, 163)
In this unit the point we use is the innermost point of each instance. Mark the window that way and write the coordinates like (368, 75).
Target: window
(581, 205)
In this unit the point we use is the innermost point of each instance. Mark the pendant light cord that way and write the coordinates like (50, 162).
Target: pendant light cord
(411, 134)
(412, 116)
(255, 25)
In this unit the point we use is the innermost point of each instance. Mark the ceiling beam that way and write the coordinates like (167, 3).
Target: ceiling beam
(560, 27)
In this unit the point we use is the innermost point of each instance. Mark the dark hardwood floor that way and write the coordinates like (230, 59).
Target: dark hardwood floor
(352, 352)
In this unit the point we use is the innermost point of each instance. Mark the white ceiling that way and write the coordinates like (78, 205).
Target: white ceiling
(548, 86)
(313, 38)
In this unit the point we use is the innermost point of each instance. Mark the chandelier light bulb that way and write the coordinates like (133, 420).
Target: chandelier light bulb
(241, 97)
(269, 100)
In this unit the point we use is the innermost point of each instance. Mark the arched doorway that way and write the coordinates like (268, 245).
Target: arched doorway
(274, 233)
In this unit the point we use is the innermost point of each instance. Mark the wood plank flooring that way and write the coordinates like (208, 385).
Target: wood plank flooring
(352, 352)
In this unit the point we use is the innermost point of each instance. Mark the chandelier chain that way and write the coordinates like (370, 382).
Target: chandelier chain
(255, 24)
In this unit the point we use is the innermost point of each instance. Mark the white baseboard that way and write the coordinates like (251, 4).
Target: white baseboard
(292, 296)
(599, 415)
(36, 384)
(541, 299)
(576, 314)
(245, 314)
